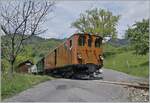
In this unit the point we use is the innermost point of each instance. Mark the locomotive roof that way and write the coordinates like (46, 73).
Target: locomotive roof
(84, 34)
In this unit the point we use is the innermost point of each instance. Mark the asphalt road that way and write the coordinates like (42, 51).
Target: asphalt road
(66, 90)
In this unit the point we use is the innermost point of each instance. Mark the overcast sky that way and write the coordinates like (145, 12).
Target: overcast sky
(66, 12)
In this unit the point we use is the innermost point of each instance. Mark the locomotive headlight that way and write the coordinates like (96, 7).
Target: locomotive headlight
(100, 70)
(101, 57)
(79, 56)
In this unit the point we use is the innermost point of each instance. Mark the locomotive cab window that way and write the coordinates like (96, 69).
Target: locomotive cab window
(81, 41)
(90, 41)
(98, 42)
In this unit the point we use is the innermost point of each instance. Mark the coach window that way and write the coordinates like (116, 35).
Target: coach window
(98, 42)
(90, 41)
(81, 40)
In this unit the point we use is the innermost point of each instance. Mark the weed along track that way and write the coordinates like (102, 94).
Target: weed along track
(135, 85)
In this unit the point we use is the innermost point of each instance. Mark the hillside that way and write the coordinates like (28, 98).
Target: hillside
(40, 47)
(125, 60)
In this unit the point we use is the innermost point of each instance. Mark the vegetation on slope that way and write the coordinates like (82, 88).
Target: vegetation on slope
(125, 60)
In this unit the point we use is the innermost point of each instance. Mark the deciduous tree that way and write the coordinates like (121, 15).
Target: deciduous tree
(20, 20)
(138, 34)
(97, 21)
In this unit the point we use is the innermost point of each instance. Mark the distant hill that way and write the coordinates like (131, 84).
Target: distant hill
(36, 39)
(118, 42)
(41, 46)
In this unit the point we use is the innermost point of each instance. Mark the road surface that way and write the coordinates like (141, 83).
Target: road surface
(66, 90)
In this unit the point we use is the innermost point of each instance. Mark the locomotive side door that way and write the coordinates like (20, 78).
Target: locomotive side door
(70, 52)
(55, 59)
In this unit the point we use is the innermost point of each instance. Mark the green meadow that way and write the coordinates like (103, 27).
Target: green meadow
(125, 60)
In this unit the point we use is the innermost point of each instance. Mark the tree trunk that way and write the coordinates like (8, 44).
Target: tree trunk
(11, 68)
(12, 59)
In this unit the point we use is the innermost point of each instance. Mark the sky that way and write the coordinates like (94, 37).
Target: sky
(67, 11)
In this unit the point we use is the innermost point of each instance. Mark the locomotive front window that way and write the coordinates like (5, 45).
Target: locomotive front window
(89, 41)
(98, 42)
(70, 43)
(81, 41)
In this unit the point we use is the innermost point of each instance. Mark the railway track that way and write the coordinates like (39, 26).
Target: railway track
(135, 85)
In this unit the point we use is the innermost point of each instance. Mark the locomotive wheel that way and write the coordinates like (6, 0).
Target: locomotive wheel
(91, 68)
(68, 74)
(81, 76)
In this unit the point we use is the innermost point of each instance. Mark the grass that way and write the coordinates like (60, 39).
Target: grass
(128, 62)
(18, 83)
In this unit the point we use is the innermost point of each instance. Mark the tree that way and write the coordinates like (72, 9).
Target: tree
(20, 20)
(97, 21)
(138, 34)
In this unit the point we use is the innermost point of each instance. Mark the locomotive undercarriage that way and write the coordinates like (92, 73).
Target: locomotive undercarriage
(77, 71)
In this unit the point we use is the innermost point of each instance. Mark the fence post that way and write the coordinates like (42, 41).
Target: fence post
(114, 63)
(127, 64)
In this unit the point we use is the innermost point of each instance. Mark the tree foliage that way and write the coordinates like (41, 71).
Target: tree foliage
(139, 36)
(97, 21)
